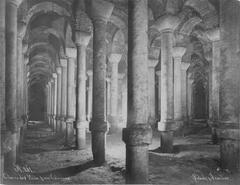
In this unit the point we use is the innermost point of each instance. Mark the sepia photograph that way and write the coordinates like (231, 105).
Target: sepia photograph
(120, 92)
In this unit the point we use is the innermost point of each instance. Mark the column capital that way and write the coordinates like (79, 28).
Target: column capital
(63, 62)
(166, 23)
(89, 72)
(82, 38)
(185, 65)
(101, 10)
(51, 80)
(213, 35)
(54, 75)
(178, 52)
(152, 62)
(71, 52)
(114, 58)
(158, 73)
(108, 80)
(15, 2)
(59, 70)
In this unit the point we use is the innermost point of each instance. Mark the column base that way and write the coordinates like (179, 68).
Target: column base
(137, 138)
(81, 134)
(98, 147)
(229, 149)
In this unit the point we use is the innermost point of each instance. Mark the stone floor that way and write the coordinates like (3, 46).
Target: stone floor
(47, 161)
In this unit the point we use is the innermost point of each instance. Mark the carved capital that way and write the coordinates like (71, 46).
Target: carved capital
(71, 52)
(185, 66)
(178, 52)
(101, 10)
(114, 58)
(166, 23)
(54, 75)
(213, 35)
(59, 70)
(89, 73)
(63, 62)
(82, 38)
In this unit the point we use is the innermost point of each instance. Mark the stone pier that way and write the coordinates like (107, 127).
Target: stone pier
(81, 40)
(71, 93)
(101, 11)
(138, 133)
(166, 26)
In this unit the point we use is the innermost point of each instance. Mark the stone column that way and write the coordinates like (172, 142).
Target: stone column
(152, 63)
(166, 26)
(71, 93)
(158, 73)
(49, 101)
(11, 78)
(90, 88)
(184, 68)
(214, 37)
(54, 102)
(59, 98)
(2, 83)
(81, 40)
(138, 133)
(189, 98)
(124, 100)
(64, 96)
(114, 60)
(120, 99)
(229, 126)
(101, 12)
(108, 81)
(178, 53)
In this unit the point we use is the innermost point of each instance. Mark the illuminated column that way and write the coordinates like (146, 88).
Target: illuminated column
(158, 73)
(54, 102)
(152, 63)
(81, 40)
(71, 93)
(114, 60)
(214, 37)
(166, 26)
(178, 53)
(138, 133)
(59, 98)
(90, 88)
(49, 88)
(184, 68)
(101, 12)
(11, 79)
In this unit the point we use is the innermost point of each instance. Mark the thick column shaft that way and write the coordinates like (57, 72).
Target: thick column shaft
(64, 96)
(184, 67)
(59, 98)
(101, 12)
(151, 91)
(137, 135)
(229, 125)
(2, 80)
(114, 60)
(11, 81)
(72, 54)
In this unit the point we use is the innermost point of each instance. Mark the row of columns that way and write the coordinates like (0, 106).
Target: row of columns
(13, 79)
